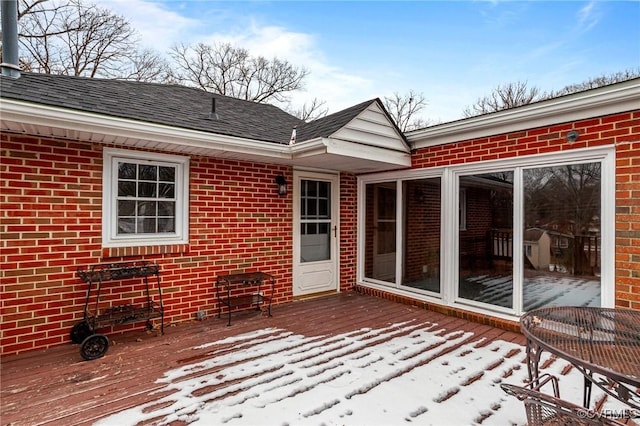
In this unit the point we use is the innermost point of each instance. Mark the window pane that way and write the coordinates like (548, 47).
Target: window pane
(380, 231)
(146, 196)
(311, 188)
(166, 208)
(323, 189)
(126, 226)
(312, 209)
(315, 235)
(126, 189)
(421, 269)
(147, 208)
(323, 208)
(166, 190)
(562, 236)
(126, 208)
(127, 170)
(147, 225)
(147, 172)
(314, 246)
(146, 189)
(167, 174)
(486, 244)
(166, 225)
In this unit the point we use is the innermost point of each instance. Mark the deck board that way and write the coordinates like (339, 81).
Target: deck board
(56, 387)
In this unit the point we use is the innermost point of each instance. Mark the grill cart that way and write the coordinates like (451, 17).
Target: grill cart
(94, 345)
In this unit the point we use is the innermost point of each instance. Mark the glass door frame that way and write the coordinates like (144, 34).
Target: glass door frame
(449, 263)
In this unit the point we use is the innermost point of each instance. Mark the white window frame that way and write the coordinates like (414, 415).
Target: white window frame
(110, 238)
(463, 209)
(450, 224)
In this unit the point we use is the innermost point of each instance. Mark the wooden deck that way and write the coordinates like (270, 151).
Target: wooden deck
(338, 359)
(57, 387)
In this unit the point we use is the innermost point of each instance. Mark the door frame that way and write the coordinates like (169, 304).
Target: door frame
(334, 178)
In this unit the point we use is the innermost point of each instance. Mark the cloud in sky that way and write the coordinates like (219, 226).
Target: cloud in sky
(588, 16)
(453, 52)
(160, 28)
(326, 81)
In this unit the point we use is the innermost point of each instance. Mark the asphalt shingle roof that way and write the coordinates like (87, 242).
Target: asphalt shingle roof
(171, 105)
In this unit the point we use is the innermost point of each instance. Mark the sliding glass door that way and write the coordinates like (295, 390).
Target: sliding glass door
(485, 238)
(512, 237)
(562, 235)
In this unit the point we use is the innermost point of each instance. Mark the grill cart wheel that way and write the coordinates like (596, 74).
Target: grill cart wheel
(94, 346)
(80, 331)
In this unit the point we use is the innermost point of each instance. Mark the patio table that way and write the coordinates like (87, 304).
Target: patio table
(602, 343)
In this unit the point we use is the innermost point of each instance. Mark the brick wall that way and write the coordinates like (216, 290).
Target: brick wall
(348, 230)
(51, 204)
(620, 130)
(422, 229)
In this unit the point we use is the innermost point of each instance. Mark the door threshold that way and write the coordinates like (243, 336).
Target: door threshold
(313, 295)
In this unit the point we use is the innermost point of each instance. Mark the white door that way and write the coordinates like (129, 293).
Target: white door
(315, 236)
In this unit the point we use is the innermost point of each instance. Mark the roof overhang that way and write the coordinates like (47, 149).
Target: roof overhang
(602, 101)
(349, 156)
(46, 121)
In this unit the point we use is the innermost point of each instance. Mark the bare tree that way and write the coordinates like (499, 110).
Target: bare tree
(596, 82)
(232, 71)
(403, 109)
(149, 66)
(504, 97)
(517, 94)
(310, 111)
(73, 38)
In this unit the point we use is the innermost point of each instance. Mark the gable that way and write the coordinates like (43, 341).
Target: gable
(372, 127)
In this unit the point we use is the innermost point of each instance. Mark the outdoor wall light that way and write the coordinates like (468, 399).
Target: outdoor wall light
(282, 185)
(572, 136)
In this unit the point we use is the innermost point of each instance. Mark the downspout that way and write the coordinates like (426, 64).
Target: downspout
(10, 59)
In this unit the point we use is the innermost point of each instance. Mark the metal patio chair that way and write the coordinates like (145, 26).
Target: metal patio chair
(546, 410)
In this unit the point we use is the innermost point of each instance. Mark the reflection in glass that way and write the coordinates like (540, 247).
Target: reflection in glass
(315, 220)
(562, 236)
(140, 189)
(486, 242)
(127, 171)
(146, 172)
(167, 174)
(421, 268)
(380, 233)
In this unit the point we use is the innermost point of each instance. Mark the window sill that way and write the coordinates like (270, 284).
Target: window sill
(137, 251)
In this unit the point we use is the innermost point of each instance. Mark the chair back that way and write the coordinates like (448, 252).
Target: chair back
(543, 409)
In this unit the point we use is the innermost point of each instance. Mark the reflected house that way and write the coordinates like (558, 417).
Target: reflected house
(537, 249)
(448, 217)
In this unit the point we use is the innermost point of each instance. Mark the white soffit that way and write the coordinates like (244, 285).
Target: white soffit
(602, 101)
(350, 156)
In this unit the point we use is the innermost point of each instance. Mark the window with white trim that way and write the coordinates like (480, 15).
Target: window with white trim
(145, 198)
(496, 269)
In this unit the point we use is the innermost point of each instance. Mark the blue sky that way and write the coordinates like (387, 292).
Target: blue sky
(452, 52)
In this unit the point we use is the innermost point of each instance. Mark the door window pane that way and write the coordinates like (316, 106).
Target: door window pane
(562, 236)
(486, 243)
(421, 269)
(380, 238)
(315, 220)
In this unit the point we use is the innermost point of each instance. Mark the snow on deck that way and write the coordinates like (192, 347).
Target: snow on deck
(406, 373)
